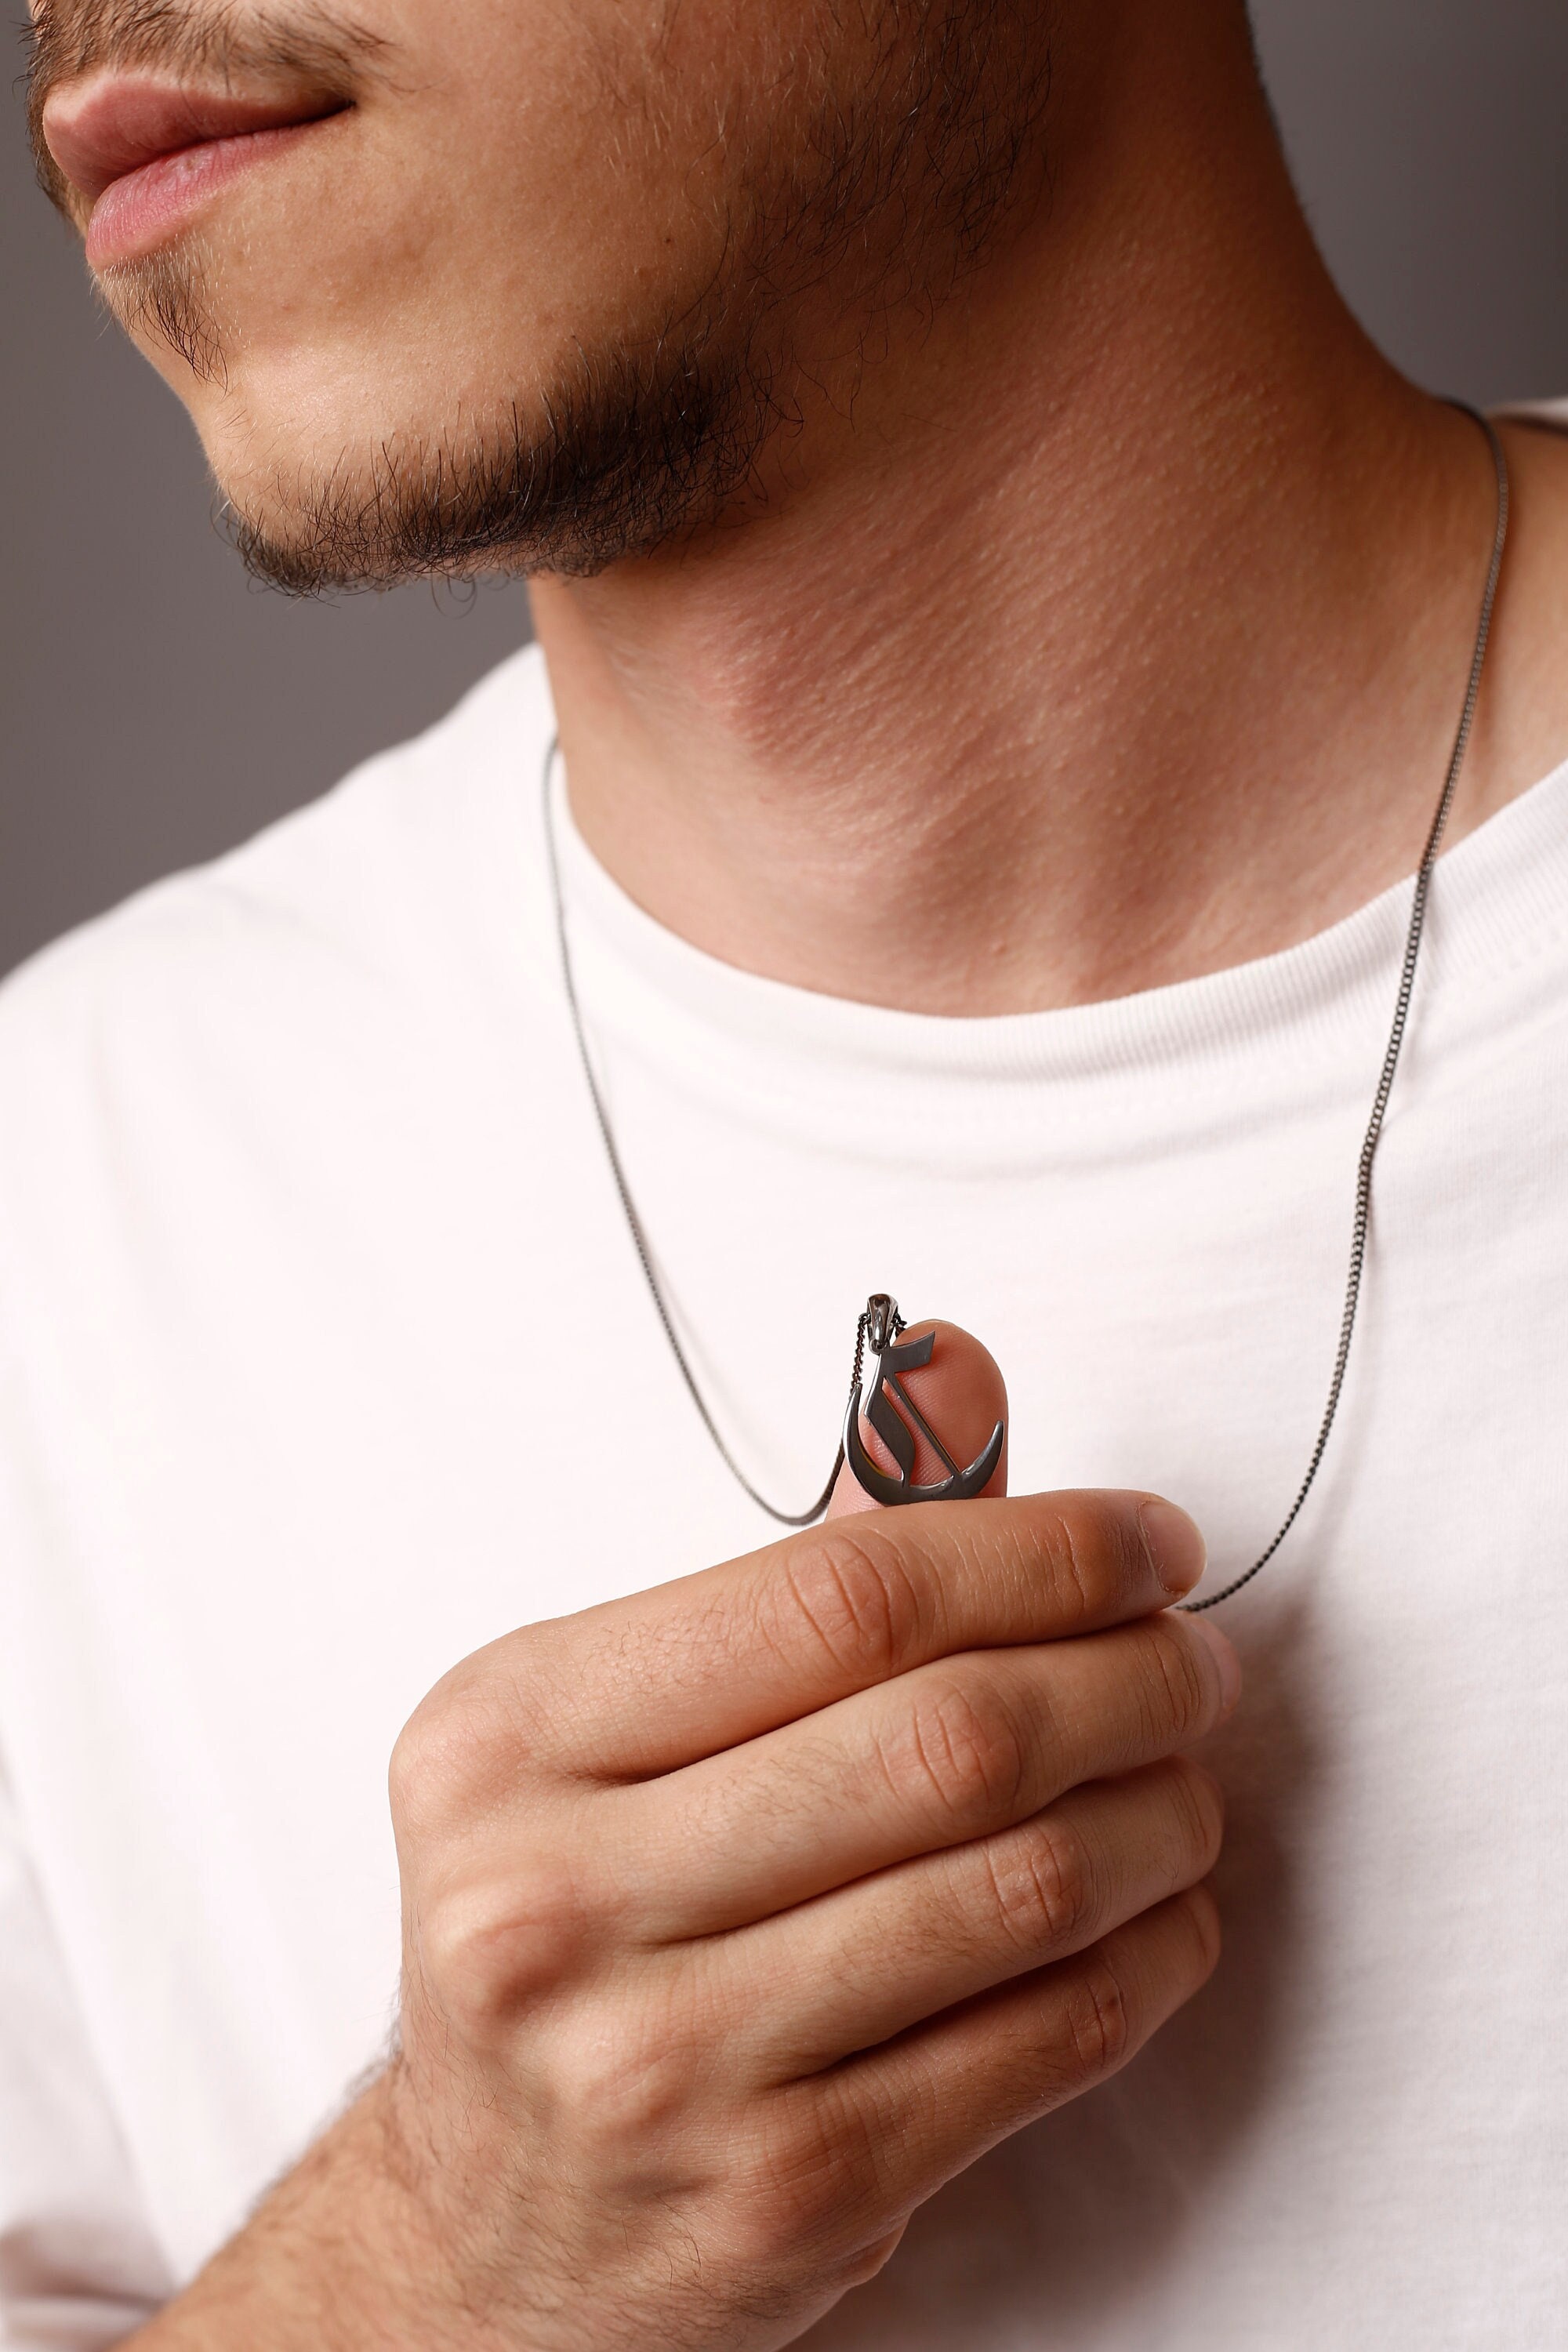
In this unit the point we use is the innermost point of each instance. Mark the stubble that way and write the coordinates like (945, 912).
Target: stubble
(882, 202)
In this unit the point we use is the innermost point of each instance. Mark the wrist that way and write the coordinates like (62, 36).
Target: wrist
(348, 2253)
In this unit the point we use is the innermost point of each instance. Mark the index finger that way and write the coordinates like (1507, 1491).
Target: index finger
(643, 1686)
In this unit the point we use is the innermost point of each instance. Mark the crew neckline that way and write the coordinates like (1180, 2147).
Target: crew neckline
(1312, 1017)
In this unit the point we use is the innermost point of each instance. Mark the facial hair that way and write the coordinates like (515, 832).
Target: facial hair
(893, 195)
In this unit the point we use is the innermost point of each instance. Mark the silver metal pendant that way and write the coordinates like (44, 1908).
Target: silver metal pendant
(891, 1409)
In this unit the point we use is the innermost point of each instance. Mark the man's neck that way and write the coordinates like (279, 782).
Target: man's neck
(1118, 633)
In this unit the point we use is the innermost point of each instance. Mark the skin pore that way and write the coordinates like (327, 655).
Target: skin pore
(1039, 589)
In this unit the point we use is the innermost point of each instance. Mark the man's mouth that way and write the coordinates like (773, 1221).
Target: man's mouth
(143, 154)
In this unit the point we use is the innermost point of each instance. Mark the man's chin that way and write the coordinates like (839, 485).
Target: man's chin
(622, 459)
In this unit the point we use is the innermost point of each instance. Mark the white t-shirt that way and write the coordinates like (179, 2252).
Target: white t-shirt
(310, 1276)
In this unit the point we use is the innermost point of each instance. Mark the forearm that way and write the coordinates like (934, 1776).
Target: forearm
(340, 2257)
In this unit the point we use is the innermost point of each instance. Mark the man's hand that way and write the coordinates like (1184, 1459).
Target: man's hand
(742, 1915)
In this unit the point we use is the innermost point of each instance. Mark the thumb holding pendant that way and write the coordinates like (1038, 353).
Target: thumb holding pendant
(939, 1412)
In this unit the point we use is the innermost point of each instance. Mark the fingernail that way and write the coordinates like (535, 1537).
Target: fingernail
(1177, 1552)
(1229, 1664)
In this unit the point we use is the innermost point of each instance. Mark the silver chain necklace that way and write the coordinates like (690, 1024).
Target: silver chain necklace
(880, 1322)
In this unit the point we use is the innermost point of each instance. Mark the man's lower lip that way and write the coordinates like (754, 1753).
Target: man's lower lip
(145, 208)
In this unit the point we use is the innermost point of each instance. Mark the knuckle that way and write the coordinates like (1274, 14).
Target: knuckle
(853, 1597)
(962, 1749)
(815, 2181)
(1199, 1803)
(430, 1755)
(628, 2076)
(783, 2198)
(488, 1949)
(1070, 1548)
(1097, 2019)
(868, 2262)
(1096, 1555)
(1043, 1888)
(469, 1735)
(1202, 1915)
(1177, 1684)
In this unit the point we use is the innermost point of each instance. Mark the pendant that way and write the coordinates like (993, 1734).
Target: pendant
(891, 1410)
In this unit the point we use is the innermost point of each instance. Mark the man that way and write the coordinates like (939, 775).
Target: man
(1007, 631)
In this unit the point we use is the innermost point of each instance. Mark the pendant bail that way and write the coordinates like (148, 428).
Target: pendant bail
(883, 1322)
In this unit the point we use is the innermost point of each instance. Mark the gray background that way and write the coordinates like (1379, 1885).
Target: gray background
(155, 708)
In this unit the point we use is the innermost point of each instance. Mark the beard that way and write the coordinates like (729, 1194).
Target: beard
(882, 203)
(640, 449)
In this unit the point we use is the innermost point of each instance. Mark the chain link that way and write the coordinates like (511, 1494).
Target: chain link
(1362, 1217)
